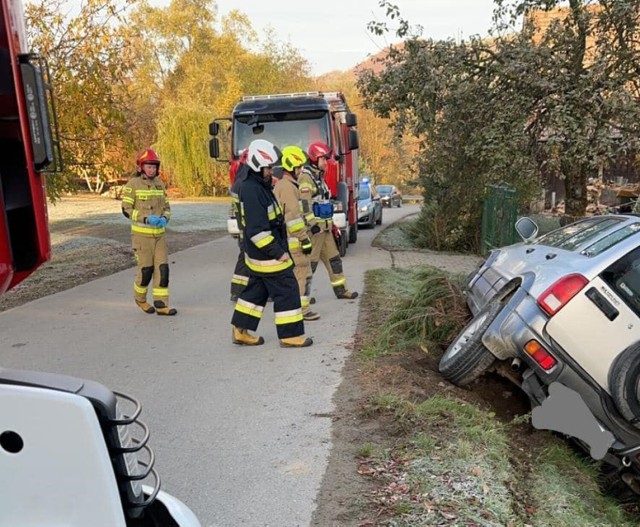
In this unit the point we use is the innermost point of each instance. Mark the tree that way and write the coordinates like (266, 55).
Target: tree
(502, 109)
(85, 53)
(206, 66)
(382, 154)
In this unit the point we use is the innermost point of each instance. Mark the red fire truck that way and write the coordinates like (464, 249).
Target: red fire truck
(72, 452)
(301, 119)
(27, 150)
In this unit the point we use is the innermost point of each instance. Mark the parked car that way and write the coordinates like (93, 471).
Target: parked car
(562, 313)
(369, 205)
(389, 195)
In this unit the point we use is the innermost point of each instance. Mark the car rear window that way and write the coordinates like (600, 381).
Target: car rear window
(575, 235)
(624, 277)
(612, 239)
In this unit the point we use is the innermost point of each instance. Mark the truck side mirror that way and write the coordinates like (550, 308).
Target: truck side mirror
(214, 128)
(351, 119)
(353, 140)
(214, 148)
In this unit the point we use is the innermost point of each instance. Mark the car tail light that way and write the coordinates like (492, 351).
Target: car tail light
(557, 296)
(540, 355)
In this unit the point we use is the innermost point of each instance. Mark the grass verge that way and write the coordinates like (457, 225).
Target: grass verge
(447, 458)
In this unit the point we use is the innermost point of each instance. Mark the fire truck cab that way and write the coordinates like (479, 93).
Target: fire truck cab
(301, 119)
(27, 150)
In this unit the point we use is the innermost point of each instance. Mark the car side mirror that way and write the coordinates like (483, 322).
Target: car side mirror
(526, 228)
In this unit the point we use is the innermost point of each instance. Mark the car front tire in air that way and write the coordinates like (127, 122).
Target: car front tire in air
(467, 358)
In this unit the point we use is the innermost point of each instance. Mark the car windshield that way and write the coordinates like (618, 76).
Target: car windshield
(384, 189)
(577, 234)
(365, 193)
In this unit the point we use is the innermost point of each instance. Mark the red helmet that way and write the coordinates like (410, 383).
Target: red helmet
(317, 150)
(148, 156)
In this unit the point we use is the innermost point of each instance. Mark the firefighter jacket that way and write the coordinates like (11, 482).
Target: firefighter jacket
(143, 198)
(287, 193)
(313, 189)
(234, 191)
(265, 236)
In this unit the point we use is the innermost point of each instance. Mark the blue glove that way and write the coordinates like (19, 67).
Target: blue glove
(162, 222)
(153, 220)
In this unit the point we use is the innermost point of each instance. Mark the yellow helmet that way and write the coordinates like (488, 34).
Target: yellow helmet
(293, 157)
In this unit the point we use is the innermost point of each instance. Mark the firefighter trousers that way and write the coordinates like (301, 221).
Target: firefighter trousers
(325, 250)
(283, 289)
(152, 259)
(240, 277)
(302, 272)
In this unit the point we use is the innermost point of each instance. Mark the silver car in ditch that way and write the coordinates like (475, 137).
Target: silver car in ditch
(562, 313)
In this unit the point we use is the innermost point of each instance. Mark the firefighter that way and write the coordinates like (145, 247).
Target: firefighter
(240, 277)
(319, 216)
(266, 256)
(288, 194)
(145, 203)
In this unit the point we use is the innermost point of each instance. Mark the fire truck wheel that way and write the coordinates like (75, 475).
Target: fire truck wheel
(353, 233)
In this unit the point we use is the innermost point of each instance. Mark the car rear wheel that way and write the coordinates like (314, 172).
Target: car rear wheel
(467, 357)
(624, 383)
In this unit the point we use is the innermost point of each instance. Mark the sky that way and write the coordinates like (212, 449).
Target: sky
(332, 34)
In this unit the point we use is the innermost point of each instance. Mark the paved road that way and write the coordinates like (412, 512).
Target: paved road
(241, 435)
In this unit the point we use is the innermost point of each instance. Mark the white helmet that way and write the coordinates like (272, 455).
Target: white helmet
(261, 153)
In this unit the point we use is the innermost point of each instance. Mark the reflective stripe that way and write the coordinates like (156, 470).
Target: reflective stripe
(294, 243)
(135, 215)
(145, 229)
(128, 200)
(239, 279)
(149, 193)
(160, 291)
(253, 310)
(262, 239)
(271, 213)
(288, 317)
(339, 282)
(139, 289)
(267, 266)
(250, 305)
(295, 225)
(304, 301)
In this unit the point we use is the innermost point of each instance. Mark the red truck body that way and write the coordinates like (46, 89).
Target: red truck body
(301, 119)
(26, 151)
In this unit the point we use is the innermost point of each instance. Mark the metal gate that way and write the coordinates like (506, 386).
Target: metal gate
(499, 216)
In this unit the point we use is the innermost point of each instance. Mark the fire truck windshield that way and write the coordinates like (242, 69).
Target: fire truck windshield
(282, 129)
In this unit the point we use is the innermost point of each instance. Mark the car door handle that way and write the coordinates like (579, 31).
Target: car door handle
(602, 303)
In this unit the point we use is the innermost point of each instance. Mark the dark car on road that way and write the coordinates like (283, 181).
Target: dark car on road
(389, 195)
(369, 205)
